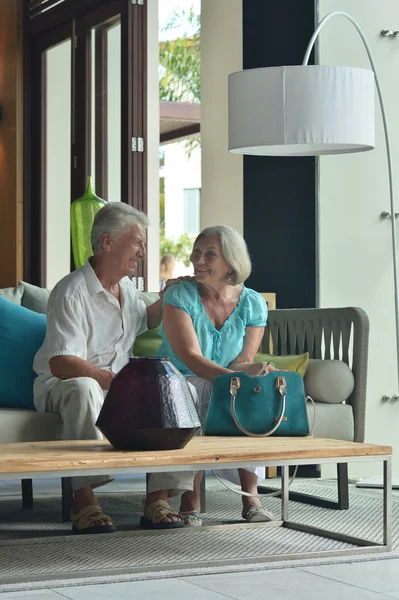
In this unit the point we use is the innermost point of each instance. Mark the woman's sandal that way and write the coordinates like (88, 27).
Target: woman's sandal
(90, 514)
(191, 518)
(257, 514)
(155, 512)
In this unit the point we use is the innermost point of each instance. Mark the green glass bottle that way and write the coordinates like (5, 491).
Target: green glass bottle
(83, 211)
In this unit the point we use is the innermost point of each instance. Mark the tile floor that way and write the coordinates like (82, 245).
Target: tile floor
(370, 580)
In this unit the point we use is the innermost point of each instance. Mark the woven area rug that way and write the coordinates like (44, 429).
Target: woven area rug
(64, 559)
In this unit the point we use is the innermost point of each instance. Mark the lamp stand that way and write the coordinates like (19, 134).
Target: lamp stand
(389, 159)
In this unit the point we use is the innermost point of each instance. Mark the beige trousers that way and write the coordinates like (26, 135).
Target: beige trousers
(78, 401)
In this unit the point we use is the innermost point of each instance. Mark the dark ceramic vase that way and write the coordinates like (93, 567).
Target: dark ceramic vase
(148, 407)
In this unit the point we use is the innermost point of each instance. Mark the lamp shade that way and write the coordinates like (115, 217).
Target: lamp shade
(301, 110)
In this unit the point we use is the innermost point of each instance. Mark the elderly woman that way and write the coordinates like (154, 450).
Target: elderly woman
(212, 324)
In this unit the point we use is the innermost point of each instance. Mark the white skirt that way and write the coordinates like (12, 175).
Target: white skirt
(202, 389)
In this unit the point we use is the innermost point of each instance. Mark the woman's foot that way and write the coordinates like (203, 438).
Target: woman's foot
(190, 508)
(252, 510)
(190, 503)
(191, 518)
(255, 513)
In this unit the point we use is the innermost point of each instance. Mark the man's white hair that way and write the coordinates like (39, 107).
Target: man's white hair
(114, 218)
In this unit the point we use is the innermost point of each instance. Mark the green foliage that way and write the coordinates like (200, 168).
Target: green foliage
(179, 60)
(162, 206)
(180, 247)
(180, 64)
(180, 81)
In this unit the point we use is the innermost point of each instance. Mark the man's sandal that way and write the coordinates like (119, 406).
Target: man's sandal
(155, 512)
(81, 521)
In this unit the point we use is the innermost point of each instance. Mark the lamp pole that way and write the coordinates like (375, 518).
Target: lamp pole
(388, 151)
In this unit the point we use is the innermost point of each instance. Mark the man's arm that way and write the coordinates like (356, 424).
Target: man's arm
(67, 367)
(67, 341)
(154, 314)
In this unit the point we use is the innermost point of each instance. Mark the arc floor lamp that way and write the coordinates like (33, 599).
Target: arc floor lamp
(311, 110)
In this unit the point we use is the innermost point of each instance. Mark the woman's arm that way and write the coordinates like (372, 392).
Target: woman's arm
(244, 361)
(252, 340)
(183, 339)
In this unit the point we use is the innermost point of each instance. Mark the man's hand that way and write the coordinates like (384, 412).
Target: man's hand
(68, 367)
(154, 311)
(173, 281)
(105, 378)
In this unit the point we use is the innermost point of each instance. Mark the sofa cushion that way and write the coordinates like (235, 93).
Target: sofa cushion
(21, 335)
(329, 381)
(294, 362)
(148, 297)
(147, 343)
(14, 294)
(332, 421)
(34, 298)
(19, 425)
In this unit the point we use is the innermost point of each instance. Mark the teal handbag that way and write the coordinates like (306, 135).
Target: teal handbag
(272, 404)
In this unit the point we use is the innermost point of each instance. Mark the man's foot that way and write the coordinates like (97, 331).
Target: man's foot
(153, 497)
(85, 498)
(86, 521)
(159, 515)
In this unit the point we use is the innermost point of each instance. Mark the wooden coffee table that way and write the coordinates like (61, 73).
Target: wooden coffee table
(74, 458)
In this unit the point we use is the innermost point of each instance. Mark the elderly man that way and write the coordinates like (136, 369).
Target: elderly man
(94, 315)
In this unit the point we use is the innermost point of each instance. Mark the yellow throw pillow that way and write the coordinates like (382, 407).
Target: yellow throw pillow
(298, 362)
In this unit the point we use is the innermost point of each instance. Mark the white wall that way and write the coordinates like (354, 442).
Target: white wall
(152, 146)
(180, 172)
(58, 162)
(355, 251)
(222, 172)
(114, 113)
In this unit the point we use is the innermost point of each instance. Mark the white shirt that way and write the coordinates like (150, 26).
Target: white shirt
(85, 320)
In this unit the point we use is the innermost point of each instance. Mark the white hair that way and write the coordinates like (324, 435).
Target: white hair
(234, 250)
(113, 218)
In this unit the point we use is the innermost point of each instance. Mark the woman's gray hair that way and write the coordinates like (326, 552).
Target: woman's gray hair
(234, 250)
(113, 218)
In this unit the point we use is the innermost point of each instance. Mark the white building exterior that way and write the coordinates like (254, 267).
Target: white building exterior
(182, 175)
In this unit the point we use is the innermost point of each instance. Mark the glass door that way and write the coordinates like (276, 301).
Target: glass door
(85, 99)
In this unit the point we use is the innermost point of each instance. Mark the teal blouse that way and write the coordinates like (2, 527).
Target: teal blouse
(221, 346)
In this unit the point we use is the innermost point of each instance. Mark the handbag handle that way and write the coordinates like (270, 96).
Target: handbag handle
(234, 387)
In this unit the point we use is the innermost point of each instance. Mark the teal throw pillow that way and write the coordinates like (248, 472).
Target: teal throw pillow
(21, 335)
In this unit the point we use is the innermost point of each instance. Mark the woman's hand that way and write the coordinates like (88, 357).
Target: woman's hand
(255, 369)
